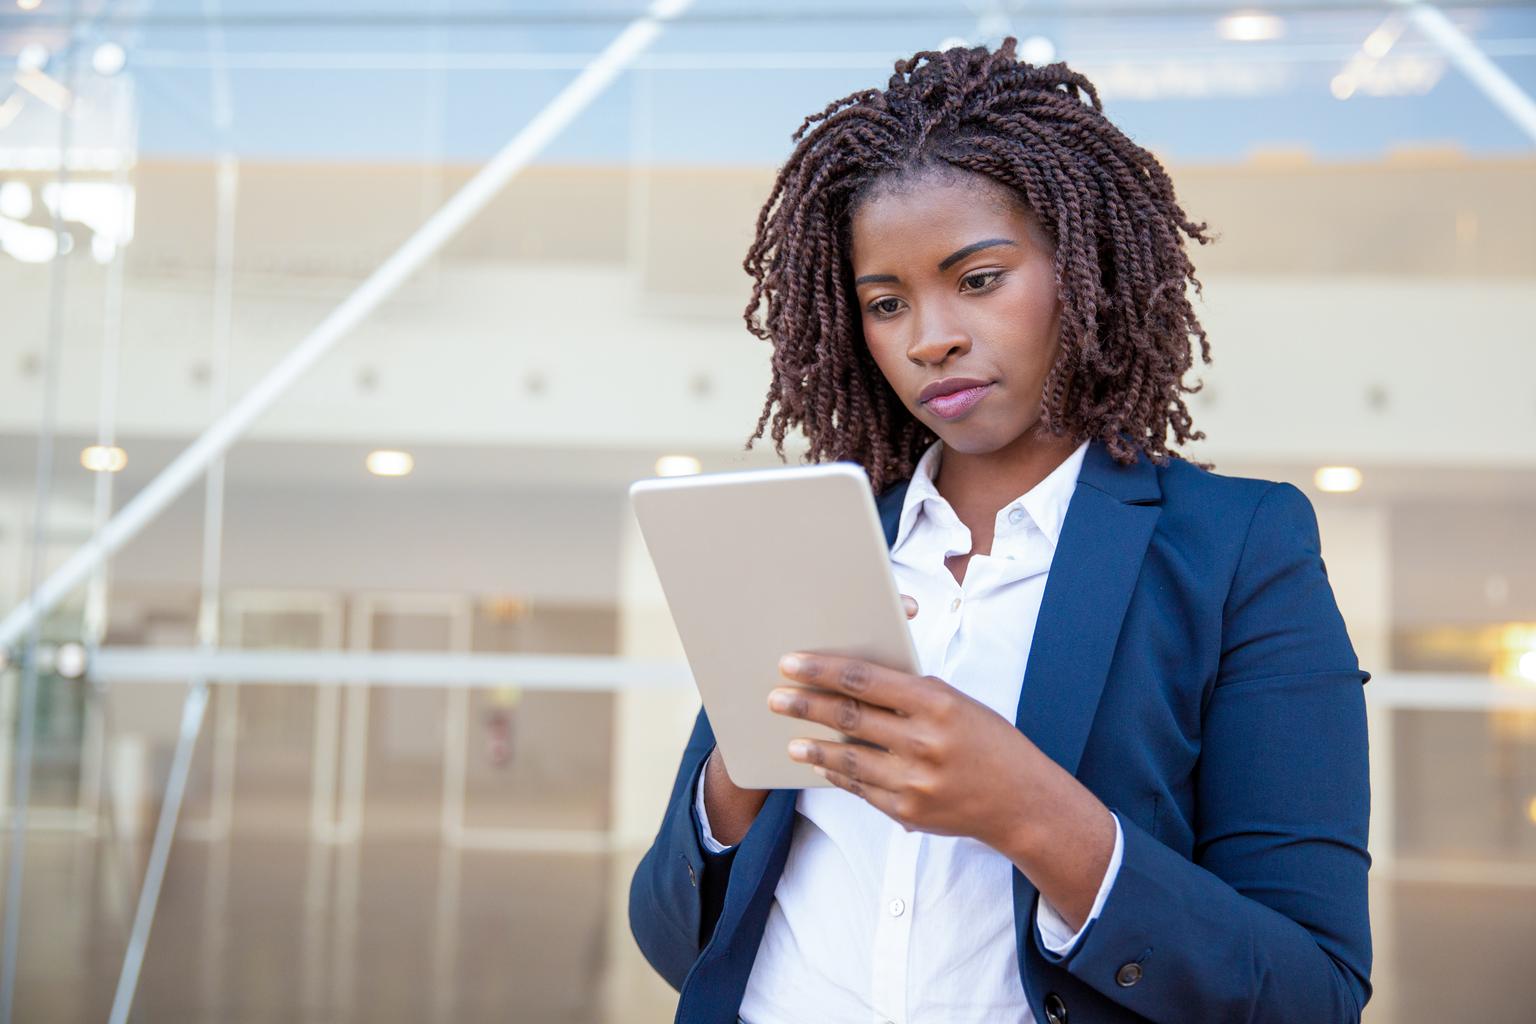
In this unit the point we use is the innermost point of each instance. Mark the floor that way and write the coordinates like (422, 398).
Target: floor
(278, 930)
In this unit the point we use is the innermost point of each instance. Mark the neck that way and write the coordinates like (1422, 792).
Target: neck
(977, 485)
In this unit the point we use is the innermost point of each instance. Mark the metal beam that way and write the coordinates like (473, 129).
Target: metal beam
(1503, 91)
(427, 240)
(117, 666)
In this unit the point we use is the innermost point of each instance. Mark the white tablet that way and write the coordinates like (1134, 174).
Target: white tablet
(759, 563)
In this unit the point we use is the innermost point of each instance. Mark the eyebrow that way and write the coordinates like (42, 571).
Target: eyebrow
(944, 264)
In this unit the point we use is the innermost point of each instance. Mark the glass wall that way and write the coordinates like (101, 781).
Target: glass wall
(364, 485)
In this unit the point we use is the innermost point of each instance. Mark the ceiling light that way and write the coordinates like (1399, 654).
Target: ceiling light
(1250, 27)
(69, 660)
(1525, 668)
(15, 200)
(100, 458)
(677, 465)
(108, 59)
(1037, 50)
(28, 5)
(1381, 38)
(32, 57)
(385, 462)
(1338, 479)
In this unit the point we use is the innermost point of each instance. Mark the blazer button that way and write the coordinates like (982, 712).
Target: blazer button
(1055, 1009)
(1128, 975)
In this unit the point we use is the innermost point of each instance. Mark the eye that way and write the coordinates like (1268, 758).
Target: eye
(888, 305)
(980, 280)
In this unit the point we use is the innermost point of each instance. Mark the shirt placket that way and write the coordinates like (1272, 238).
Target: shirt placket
(893, 933)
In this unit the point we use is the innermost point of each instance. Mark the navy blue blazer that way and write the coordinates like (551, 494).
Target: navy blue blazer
(1191, 668)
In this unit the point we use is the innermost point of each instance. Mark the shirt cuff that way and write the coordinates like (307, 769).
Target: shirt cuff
(710, 843)
(1055, 933)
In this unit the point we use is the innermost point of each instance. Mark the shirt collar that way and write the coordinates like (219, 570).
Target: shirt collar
(1046, 502)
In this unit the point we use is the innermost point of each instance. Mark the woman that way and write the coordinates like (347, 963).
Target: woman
(1133, 785)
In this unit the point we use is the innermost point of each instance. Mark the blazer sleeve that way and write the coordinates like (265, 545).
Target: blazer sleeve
(1269, 920)
(678, 889)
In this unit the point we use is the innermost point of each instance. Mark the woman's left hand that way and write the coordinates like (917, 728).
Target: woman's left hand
(950, 765)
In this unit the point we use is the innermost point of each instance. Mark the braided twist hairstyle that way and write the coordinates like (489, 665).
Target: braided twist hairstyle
(1120, 264)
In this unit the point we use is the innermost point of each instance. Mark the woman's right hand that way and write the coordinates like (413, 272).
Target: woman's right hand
(731, 808)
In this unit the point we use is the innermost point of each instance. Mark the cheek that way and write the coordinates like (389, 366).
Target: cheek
(883, 344)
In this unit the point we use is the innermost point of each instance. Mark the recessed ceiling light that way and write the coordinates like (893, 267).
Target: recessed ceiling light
(1250, 27)
(100, 458)
(69, 660)
(32, 57)
(108, 59)
(28, 5)
(1338, 479)
(1037, 50)
(677, 465)
(386, 462)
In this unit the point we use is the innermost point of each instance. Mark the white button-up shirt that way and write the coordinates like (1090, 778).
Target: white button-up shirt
(871, 923)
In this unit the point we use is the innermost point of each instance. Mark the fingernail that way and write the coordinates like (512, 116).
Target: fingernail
(819, 770)
(789, 664)
(779, 700)
(799, 750)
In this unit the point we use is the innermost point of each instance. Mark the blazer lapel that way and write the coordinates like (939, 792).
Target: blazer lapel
(1093, 574)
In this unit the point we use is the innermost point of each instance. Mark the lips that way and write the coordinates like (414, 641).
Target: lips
(948, 386)
(954, 396)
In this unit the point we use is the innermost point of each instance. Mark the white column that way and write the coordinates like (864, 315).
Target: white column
(650, 730)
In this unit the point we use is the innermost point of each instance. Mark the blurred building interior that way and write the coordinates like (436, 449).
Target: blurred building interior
(444, 701)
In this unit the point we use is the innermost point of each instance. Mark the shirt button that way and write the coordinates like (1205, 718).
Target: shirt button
(954, 605)
(1016, 515)
(897, 907)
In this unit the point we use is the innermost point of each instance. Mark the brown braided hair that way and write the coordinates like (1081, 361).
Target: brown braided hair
(1121, 268)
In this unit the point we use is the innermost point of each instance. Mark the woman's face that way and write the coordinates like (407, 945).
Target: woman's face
(957, 295)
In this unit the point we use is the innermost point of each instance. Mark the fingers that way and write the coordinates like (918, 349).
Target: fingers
(873, 684)
(859, 768)
(909, 605)
(880, 799)
(848, 715)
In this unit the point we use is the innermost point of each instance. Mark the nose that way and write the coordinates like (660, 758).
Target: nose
(937, 338)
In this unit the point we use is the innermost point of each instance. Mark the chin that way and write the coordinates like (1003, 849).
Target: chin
(974, 439)
(983, 435)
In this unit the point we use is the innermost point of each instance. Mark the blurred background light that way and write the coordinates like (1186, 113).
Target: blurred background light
(15, 200)
(103, 458)
(1338, 479)
(32, 57)
(69, 660)
(677, 465)
(1037, 50)
(388, 462)
(1250, 27)
(108, 59)
(28, 243)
